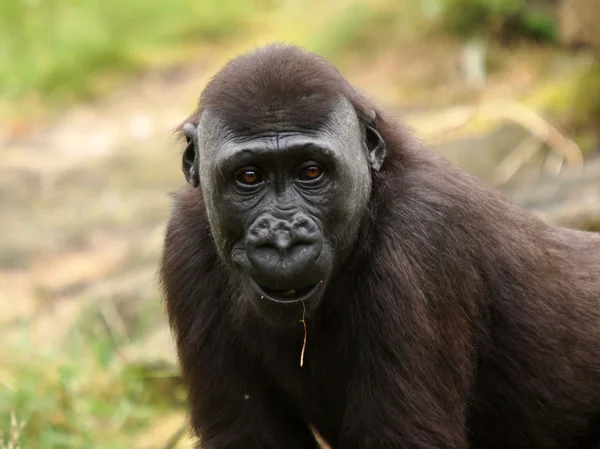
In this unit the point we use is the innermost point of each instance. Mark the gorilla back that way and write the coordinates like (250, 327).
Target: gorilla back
(325, 272)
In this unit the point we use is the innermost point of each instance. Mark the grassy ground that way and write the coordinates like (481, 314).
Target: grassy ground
(83, 394)
(86, 250)
(54, 52)
(58, 50)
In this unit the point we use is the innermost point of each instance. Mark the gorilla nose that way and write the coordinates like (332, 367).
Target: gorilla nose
(283, 248)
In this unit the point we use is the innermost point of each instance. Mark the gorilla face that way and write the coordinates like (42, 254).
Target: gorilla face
(285, 205)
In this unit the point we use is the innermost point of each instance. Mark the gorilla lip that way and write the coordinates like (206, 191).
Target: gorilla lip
(286, 296)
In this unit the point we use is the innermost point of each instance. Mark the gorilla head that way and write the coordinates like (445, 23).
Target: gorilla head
(284, 197)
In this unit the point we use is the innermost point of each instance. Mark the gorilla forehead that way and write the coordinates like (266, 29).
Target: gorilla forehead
(340, 133)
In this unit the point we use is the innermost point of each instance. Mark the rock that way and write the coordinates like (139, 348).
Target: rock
(570, 199)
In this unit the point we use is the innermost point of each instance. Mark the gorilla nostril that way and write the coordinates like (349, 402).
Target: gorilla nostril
(302, 225)
(300, 221)
(264, 224)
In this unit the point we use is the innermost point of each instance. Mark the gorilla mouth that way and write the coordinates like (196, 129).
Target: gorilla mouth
(292, 295)
(286, 307)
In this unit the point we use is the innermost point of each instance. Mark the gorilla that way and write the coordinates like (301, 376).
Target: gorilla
(327, 276)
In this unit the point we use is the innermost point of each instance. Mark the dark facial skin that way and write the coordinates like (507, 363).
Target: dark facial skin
(285, 206)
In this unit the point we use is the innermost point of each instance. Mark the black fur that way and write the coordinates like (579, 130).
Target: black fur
(460, 321)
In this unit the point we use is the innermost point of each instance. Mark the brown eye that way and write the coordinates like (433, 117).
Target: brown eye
(249, 177)
(310, 173)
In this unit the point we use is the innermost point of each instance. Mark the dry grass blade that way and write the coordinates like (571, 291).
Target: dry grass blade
(303, 321)
(15, 431)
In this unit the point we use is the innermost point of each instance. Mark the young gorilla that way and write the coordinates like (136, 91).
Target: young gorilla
(438, 314)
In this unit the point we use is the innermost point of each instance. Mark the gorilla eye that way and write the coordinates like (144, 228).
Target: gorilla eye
(310, 172)
(249, 177)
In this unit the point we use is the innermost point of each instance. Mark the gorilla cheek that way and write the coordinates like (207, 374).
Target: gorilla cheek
(352, 198)
(227, 231)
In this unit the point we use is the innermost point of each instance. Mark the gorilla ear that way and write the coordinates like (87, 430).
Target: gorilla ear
(191, 155)
(375, 147)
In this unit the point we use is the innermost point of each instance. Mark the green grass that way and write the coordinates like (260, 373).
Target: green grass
(55, 49)
(362, 28)
(499, 17)
(62, 51)
(83, 394)
(56, 52)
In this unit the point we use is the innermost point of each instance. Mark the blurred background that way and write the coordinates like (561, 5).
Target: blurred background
(90, 92)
